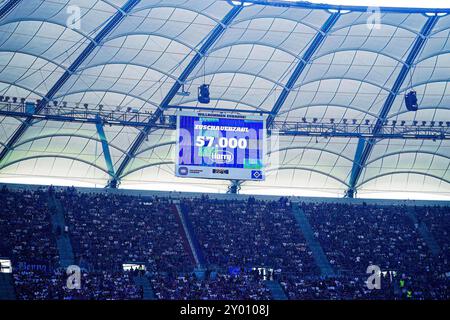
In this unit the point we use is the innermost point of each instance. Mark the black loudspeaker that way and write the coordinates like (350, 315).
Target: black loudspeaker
(203, 94)
(411, 101)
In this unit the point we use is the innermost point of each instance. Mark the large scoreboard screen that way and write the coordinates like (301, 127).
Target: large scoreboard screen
(220, 146)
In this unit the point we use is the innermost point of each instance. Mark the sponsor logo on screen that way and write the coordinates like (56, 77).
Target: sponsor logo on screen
(183, 171)
(222, 157)
(221, 171)
(257, 174)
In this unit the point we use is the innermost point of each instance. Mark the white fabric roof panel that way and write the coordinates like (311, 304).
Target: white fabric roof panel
(343, 93)
(154, 52)
(58, 12)
(134, 81)
(28, 72)
(349, 76)
(54, 43)
(186, 26)
(408, 167)
(411, 22)
(431, 96)
(212, 9)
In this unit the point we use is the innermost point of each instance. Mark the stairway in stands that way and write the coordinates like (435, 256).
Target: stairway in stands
(317, 251)
(7, 287)
(66, 256)
(276, 290)
(144, 283)
(189, 234)
(426, 235)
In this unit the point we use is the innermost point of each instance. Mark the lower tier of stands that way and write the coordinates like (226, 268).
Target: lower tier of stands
(250, 249)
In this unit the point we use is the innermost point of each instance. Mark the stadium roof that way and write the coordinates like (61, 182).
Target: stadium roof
(289, 60)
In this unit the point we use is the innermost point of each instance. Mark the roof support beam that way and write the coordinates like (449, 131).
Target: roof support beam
(306, 58)
(8, 7)
(359, 151)
(235, 187)
(113, 22)
(105, 146)
(361, 158)
(206, 46)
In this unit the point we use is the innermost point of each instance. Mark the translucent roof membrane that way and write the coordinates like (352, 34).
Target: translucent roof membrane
(348, 75)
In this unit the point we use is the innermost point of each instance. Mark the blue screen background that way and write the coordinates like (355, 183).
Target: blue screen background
(188, 123)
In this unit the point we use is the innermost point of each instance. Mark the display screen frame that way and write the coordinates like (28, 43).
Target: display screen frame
(254, 167)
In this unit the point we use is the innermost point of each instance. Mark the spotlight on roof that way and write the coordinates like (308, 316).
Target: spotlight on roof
(22, 100)
(86, 105)
(64, 104)
(55, 103)
(204, 94)
(14, 99)
(6, 99)
(331, 120)
(314, 120)
(304, 119)
(403, 123)
(441, 123)
(1, 98)
(415, 122)
(432, 123)
(367, 122)
(424, 123)
(394, 122)
(354, 121)
(344, 121)
(411, 101)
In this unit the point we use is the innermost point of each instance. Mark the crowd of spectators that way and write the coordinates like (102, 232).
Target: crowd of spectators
(437, 220)
(221, 287)
(355, 236)
(26, 231)
(107, 230)
(398, 287)
(250, 234)
(52, 285)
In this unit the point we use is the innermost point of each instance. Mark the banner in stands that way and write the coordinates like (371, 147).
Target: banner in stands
(220, 146)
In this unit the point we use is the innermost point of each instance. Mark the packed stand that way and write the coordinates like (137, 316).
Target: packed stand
(355, 236)
(26, 230)
(221, 287)
(109, 230)
(250, 234)
(437, 220)
(52, 285)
